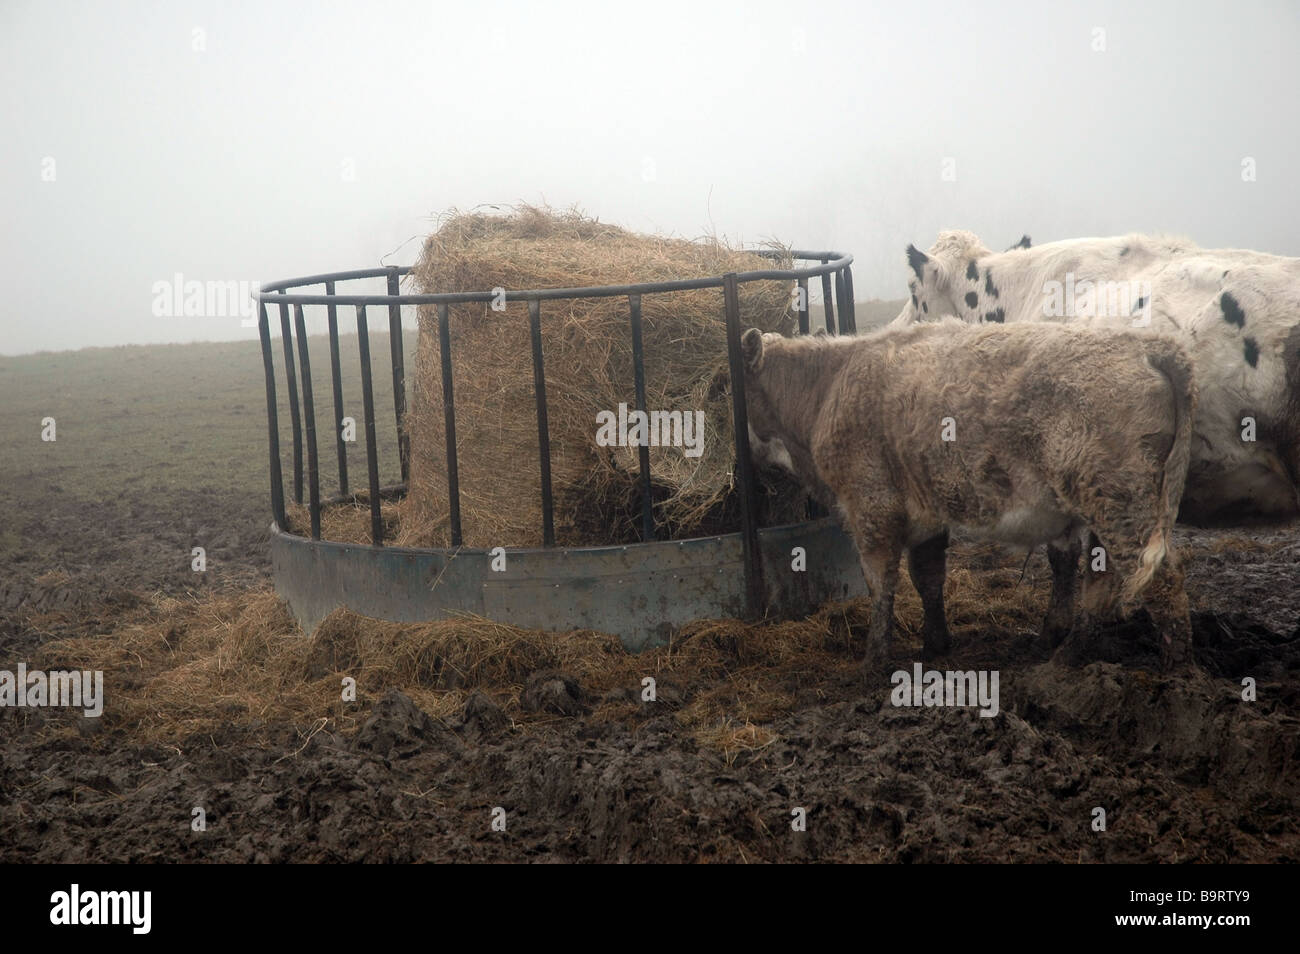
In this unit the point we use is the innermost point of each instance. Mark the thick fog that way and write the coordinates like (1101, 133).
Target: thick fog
(251, 142)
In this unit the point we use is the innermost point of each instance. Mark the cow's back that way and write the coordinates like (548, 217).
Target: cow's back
(978, 421)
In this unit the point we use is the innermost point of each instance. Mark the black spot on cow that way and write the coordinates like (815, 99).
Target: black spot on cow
(996, 317)
(1225, 274)
(917, 259)
(913, 299)
(1232, 312)
(1124, 251)
(1140, 303)
(1251, 352)
(925, 308)
(972, 272)
(1023, 243)
(988, 283)
(972, 299)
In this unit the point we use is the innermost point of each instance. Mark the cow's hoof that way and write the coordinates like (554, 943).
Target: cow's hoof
(1176, 654)
(875, 662)
(1077, 648)
(1053, 635)
(936, 642)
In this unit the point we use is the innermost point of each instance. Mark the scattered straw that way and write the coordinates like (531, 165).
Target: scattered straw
(179, 669)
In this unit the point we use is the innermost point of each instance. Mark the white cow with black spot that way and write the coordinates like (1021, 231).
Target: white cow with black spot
(1236, 311)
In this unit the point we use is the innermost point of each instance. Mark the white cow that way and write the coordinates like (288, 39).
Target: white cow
(1236, 311)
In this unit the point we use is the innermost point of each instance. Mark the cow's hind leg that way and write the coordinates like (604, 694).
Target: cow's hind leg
(1103, 600)
(1063, 557)
(1137, 549)
(1098, 606)
(1166, 601)
(927, 564)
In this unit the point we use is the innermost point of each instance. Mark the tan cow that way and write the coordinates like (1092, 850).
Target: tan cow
(1024, 433)
(1236, 311)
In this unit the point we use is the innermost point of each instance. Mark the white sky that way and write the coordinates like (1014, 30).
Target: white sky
(821, 124)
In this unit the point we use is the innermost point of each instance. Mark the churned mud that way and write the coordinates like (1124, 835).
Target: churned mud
(215, 702)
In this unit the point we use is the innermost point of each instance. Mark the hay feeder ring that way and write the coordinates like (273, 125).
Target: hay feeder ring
(640, 592)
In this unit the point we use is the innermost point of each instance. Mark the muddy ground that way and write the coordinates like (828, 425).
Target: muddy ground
(749, 724)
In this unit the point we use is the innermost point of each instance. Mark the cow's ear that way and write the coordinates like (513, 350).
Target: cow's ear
(751, 346)
(917, 259)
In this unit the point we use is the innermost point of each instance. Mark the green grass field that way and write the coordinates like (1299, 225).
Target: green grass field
(159, 448)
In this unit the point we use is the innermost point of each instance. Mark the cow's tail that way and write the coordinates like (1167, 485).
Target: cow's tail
(1169, 358)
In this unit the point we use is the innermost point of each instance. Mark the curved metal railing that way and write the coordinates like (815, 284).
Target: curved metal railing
(832, 268)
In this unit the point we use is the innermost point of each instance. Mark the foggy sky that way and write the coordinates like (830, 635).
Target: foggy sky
(821, 125)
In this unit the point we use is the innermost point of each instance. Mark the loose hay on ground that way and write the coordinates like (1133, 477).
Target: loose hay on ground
(180, 668)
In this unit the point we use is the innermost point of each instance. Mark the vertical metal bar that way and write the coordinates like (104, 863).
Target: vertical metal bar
(368, 402)
(399, 374)
(272, 417)
(643, 452)
(291, 377)
(309, 410)
(839, 298)
(828, 300)
(848, 309)
(543, 428)
(336, 377)
(449, 421)
(804, 329)
(754, 588)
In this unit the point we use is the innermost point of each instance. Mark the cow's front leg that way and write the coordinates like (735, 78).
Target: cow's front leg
(880, 555)
(1063, 557)
(881, 571)
(927, 564)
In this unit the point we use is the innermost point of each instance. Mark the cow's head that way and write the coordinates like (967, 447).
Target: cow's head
(764, 443)
(948, 281)
(776, 384)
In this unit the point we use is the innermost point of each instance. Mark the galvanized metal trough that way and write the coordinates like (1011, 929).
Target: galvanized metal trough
(640, 592)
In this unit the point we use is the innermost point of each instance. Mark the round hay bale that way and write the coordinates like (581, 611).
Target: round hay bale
(587, 347)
